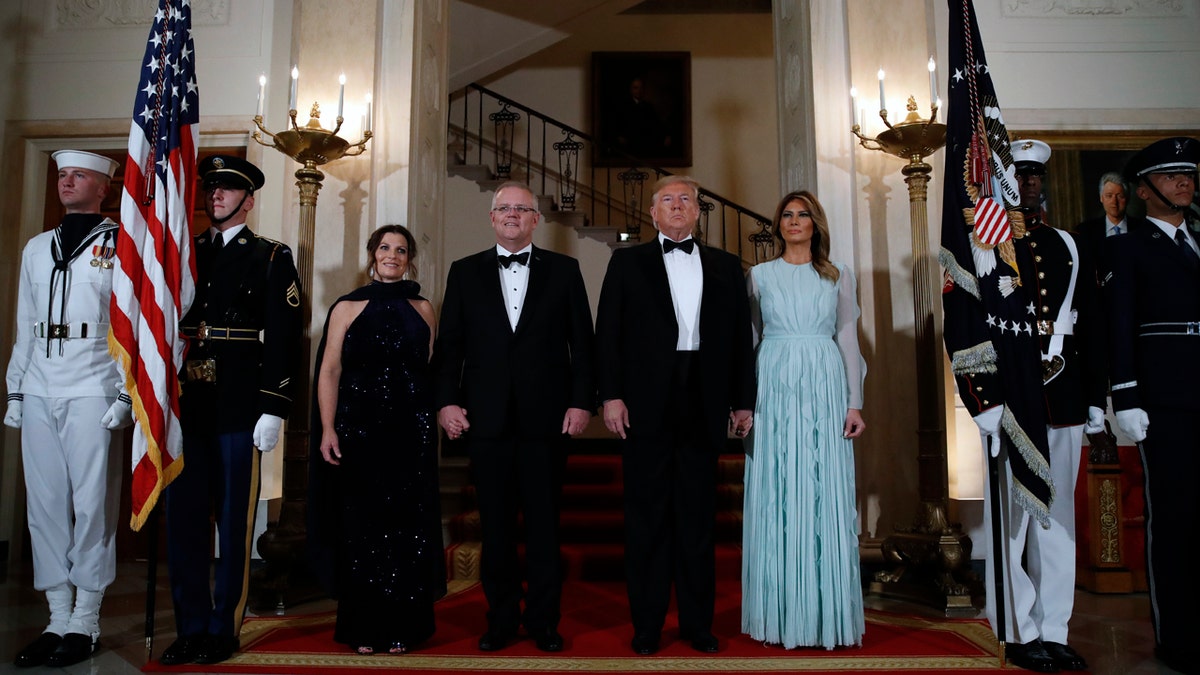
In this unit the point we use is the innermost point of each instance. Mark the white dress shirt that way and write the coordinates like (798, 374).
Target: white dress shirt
(686, 276)
(228, 235)
(514, 280)
(1115, 228)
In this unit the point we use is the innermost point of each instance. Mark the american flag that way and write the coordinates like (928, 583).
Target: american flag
(989, 324)
(155, 273)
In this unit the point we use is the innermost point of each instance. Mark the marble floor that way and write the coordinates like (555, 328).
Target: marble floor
(1111, 631)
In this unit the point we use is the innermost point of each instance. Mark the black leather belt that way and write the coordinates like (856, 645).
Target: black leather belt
(206, 332)
(1170, 328)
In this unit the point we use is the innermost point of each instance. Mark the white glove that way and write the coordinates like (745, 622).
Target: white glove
(266, 432)
(12, 417)
(118, 416)
(1134, 423)
(988, 422)
(1095, 421)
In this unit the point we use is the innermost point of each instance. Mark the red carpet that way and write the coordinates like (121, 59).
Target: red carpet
(597, 632)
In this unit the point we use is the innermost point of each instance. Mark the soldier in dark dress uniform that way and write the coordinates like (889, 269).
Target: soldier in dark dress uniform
(243, 330)
(1154, 318)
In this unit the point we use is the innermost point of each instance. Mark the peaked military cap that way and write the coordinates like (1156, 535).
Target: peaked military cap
(1030, 156)
(230, 172)
(1178, 154)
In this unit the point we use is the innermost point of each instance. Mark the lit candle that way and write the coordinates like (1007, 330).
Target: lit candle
(853, 104)
(882, 100)
(262, 90)
(368, 124)
(341, 94)
(295, 79)
(932, 81)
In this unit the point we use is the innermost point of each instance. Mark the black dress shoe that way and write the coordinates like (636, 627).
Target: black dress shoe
(35, 653)
(705, 642)
(1065, 657)
(494, 640)
(216, 648)
(75, 647)
(644, 644)
(548, 640)
(183, 650)
(1031, 656)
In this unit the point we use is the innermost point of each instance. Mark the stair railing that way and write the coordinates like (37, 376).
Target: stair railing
(612, 195)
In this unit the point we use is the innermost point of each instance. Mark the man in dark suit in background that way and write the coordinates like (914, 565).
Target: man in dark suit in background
(513, 376)
(676, 370)
(1154, 319)
(1114, 196)
(243, 333)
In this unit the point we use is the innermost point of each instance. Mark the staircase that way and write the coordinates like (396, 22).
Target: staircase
(592, 521)
(493, 139)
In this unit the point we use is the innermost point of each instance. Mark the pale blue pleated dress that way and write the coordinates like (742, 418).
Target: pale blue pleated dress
(800, 563)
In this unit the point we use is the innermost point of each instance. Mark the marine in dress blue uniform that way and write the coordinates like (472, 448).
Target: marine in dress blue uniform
(243, 333)
(1059, 278)
(1153, 302)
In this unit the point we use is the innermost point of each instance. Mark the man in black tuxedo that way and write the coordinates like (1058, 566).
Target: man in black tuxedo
(1114, 196)
(1154, 321)
(513, 376)
(676, 369)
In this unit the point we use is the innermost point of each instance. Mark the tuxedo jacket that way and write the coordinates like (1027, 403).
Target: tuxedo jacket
(636, 337)
(515, 381)
(1152, 282)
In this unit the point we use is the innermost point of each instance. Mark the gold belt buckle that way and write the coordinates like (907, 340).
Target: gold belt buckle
(60, 331)
(203, 331)
(1045, 327)
(202, 370)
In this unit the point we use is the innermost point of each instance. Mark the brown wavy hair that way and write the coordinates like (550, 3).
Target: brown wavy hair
(820, 238)
(377, 237)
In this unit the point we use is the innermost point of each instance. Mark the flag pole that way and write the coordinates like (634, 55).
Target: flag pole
(999, 544)
(151, 579)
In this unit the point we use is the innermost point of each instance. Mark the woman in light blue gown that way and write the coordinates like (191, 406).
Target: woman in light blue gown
(800, 565)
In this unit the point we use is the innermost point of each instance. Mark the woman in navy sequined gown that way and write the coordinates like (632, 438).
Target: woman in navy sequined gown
(378, 435)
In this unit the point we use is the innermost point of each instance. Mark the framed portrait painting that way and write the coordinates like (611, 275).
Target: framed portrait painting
(641, 109)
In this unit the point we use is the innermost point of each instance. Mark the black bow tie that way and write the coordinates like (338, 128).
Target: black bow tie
(686, 245)
(506, 260)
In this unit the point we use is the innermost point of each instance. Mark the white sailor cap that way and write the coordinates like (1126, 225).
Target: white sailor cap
(81, 159)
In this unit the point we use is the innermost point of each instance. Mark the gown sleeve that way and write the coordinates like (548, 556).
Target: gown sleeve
(756, 324)
(847, 336)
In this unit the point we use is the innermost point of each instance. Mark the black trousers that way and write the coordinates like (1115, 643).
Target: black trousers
(1171, 459)
(670, 510)
(520, 476)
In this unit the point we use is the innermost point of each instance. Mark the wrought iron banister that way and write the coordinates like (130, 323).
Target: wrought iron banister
(611, 195)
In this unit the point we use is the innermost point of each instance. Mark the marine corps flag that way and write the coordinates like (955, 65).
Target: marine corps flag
(990, 328)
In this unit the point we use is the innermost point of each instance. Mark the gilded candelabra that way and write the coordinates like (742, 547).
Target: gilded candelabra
(932, 558)
(283, 582)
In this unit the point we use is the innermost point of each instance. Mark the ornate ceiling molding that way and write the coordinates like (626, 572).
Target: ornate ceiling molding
(1140, 9)
(94, 14)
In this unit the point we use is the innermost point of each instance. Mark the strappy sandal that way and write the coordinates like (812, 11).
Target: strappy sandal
(365, 650)
(398, 648)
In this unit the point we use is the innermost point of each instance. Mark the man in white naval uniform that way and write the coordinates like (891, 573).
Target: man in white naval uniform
(65, 395)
